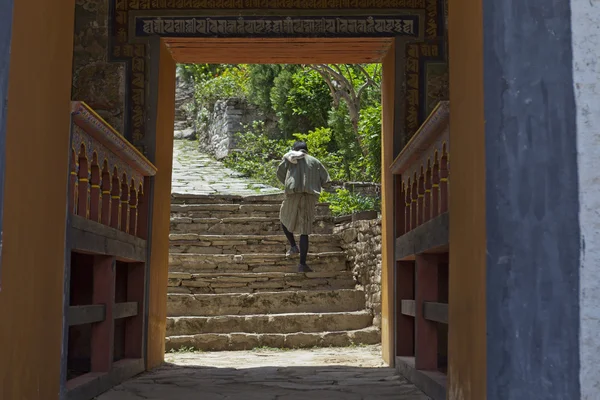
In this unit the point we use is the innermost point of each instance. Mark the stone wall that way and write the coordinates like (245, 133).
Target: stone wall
(97, 81)
(217, 135)
(361, 240)
(369, 189)
(185, 108)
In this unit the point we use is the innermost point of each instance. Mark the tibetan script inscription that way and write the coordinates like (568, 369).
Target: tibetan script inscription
(278, 26)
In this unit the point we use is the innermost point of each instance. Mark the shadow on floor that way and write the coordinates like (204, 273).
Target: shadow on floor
(331, 382)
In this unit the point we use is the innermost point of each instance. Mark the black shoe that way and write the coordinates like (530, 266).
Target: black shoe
(292, 251)
(304, 268)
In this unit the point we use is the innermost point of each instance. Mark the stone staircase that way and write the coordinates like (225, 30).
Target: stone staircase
(231, 286)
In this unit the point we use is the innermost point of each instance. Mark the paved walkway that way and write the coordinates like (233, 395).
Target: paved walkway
(197, 173)
(327, 374)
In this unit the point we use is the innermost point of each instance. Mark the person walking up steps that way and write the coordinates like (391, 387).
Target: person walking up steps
(303, 177)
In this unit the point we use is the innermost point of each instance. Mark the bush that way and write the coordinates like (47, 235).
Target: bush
(343, 202)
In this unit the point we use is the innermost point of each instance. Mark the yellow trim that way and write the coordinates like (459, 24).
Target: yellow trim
(407, 204)
(435, 185)
(421, 195)
(414, 200)
(115, 197)
(73, 173)
(427, 190)
(83, 180)
(444, 180)
(95, 186)
(125, 201)
(106, 192)
(134, 207)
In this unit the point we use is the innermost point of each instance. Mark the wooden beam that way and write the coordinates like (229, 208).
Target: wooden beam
(433, 235)
(95, 238)
(103, 332)
(408, 307)
(125, 310)
(426, 289)
(437, 312)
(81, 315)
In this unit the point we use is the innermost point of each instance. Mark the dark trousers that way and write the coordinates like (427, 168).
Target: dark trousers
(303, 243)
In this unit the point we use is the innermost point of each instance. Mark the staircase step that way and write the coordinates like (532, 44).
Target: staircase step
(275, 323)
(302, 301)
(258, 282)
(186, 198)
(270, 210)
(248, 341)
(244, 244)
(240, 225)
(203, 263)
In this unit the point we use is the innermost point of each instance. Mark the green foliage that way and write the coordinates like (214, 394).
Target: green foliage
(258, 157)
(343, 202)
(370, 131)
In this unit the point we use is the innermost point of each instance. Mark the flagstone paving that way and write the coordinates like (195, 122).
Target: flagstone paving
(330, 374)
(198, 173)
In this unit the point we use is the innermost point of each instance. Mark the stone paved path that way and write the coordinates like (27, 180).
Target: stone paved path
(197, 173)
(327, 374)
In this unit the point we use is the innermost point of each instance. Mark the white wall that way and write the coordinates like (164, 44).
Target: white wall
(586, 76)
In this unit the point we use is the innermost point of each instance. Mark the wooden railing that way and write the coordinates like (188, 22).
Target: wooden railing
(108, 199)
(424, 167)
(422, 253)
(108, 175)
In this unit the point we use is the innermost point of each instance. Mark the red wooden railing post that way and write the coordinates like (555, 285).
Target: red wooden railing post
(105, 212)
(124, 204)
(407, 202)
(95, 194)
(413, 204)
(400, 211)
(435, 190)
(103, 332)
(444, 183)
(427, 198)
(143, 210)
(421, 198)
(73, 184)
(83, 190)
(426, 289)
(133, 202)
(134, 325)
(405, 324)
(115, 202)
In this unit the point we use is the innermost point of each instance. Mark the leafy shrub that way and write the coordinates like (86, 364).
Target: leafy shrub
(343, 202)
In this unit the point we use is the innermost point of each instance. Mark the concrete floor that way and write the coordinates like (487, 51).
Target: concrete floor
(328, 374)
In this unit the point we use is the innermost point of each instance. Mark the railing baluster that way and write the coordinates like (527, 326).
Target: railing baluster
(427, 199)
(435, 189)
(124, 204)
(421, 198)
(95, 193)
(132, 210)
(83, 189)
(115, 200)
(444, 182)
(105, 212)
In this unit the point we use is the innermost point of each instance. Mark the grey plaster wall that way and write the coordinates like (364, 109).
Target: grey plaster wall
(6, 13)
(532, 213)
(585, 17)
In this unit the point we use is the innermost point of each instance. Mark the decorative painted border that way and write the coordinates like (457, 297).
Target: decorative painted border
(106, 136)
(277, 26)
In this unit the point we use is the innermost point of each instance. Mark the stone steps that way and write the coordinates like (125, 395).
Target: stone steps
(297, 340)
(240, 225)
(205, 283)
(231, 210)
(231, 286)
(275, 323)
(180, 198)
(245, 244)
(203, 263)
(301, 301)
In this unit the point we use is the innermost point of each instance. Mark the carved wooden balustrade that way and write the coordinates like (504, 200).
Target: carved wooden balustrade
(424, 166)
(422, 252)
(107, 243)
(108, 175)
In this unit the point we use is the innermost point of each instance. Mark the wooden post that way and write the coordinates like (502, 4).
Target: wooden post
(133, 200)
(83, 186)
(405, 325)
(103, 332)
(115, 200)
(426, 289)
(106, 200)
(124, 204)
(400, 207)
(143, 210)
(136, 274)
(95, 193)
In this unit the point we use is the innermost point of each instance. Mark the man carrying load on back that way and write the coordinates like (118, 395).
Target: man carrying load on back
(303, 177)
